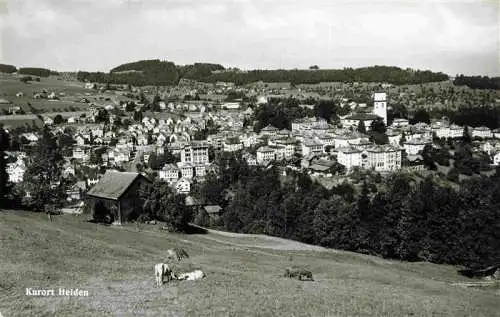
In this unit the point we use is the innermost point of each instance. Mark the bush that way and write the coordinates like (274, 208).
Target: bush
(143, 218)
(453, 175)
(202, 219)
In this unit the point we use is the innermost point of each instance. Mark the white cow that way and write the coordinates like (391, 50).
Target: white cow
(191, 276)
(162, 270)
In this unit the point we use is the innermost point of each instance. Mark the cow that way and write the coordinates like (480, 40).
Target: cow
(191, 276)
(162, 270)
(300, 274)
(177, 254)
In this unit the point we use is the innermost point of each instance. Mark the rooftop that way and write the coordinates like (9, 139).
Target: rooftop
(113, 185)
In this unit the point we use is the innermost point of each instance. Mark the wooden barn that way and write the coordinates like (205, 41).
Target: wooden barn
(115, 198)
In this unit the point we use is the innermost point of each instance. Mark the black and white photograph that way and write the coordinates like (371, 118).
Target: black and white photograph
(217, 158)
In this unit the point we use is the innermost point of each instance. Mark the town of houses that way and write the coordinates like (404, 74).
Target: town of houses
(317, 144)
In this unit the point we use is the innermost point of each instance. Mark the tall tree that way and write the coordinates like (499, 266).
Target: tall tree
(43, 179)
(361, 126)
(162, 203)
(4, 176)
(466, 137)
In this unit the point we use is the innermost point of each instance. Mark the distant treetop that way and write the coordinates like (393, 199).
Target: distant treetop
(156, 72)
(40, 72)
(4, 68)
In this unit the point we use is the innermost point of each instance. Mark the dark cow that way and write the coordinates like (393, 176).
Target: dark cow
(299, 273)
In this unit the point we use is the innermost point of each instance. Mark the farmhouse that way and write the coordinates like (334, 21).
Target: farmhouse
(116, 195)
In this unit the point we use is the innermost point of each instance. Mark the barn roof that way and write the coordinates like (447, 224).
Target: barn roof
(113, 185)
(213, 209)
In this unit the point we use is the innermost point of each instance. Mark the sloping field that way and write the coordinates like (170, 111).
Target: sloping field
(115, 266)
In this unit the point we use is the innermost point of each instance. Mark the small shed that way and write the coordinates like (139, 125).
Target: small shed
(116, 196)
(213, 211)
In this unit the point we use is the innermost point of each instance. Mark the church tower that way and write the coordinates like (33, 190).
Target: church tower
(380, 105)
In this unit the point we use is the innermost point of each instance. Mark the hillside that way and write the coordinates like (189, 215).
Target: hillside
(156, 72)
(115, 265)
(5, 68)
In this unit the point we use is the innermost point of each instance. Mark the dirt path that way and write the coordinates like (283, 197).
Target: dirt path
(263, 241)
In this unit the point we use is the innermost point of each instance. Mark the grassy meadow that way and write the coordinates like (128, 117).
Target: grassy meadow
(115, 265)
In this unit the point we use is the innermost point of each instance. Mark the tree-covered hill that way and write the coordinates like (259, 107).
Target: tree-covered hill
(156, 72)
(478, 82)
(393, 75)
(151, 72)
(4, 68)
(41, 72)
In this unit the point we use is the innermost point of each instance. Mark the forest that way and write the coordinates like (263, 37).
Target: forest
(40, 72)
(478, 82)
(150, 72)
(396, 216)
(4, 68)
(156, 72)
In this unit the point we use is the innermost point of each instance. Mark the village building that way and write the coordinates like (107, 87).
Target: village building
(349, 157)
(312, 147)
(195, 152)
(183, 186)
(383, 158)
(482, 132)
(116, 196)
(169, 173)
(415, 145)
(265, 154)
(400, 123)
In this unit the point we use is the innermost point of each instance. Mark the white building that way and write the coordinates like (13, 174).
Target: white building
(496, 158)
(269, 130)
(456, 131)
(231, 145)
(400, 123)
(380, 105)
(352, 121)
(183, 186)
(16, 171)
(195, 152)
(415, 145)
(265, 154)
(349, 157)
(394, 137)
(496, 133)
(482, 132)
(169, 173)
(187, 170)
(200, 170)
(383, 158)
(312, 147)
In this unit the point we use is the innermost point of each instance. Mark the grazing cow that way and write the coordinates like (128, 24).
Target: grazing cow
(191, 276)
(300, 274)
(162, 270)
(177, 254)
(491, 271)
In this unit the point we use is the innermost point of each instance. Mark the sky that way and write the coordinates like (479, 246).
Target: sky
(452, 36)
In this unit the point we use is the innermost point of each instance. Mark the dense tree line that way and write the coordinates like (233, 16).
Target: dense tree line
(475, 116)
(394, 217)
(278, 113)
(162, 203)
(150, 72)
(4, 68)
(40, 72)
(393, 75)
(156, 72)
(478, 82)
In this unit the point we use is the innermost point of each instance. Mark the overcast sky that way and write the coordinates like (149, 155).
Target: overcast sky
(453, 36)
